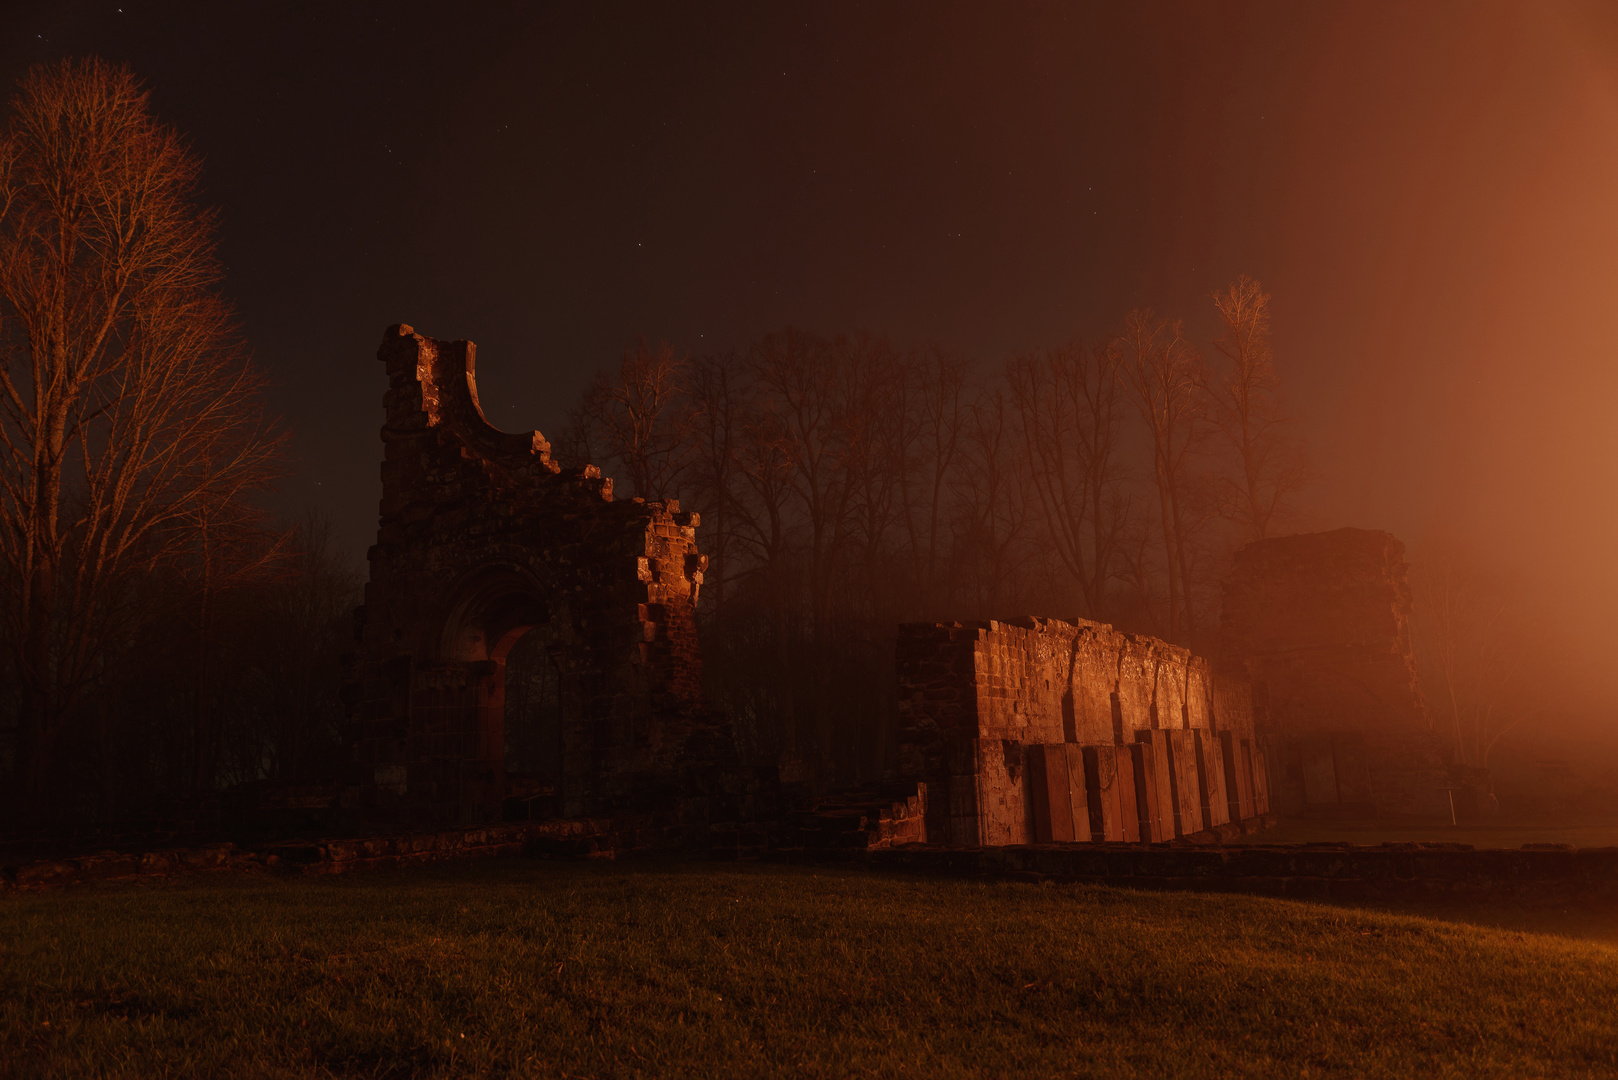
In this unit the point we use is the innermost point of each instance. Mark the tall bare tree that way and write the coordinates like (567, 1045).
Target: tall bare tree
(1068, 410)
(127, 402)
(993, 507)
(717, 419)
(1470, 637)
(1164, 375)
(924, 437)
(1245, 407)
(639, 416)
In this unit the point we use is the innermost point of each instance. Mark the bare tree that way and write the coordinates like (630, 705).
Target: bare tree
(923, 438)
(640, 418)
(1246, 408)
(718, 416)
(993, 507)
(1164, 376)
(1067, 405)
(128, 400)
(1469, 639)
(799, 377)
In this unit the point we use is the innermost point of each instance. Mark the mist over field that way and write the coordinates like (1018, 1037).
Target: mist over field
(1423, 193)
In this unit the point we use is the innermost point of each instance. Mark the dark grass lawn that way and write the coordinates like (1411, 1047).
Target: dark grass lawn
(526, 968)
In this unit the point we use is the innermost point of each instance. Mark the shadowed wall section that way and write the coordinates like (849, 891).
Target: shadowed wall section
(1320, 623)
(484, 540)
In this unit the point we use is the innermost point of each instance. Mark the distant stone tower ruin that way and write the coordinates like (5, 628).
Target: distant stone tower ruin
(1320, 624)
(487, 550)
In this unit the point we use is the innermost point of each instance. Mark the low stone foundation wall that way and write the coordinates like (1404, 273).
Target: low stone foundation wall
(577, 838)
(1334, 872)
(871, 835)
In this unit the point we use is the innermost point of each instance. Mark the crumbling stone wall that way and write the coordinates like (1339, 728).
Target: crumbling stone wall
(1320, 623)
(484, 539)
(1037, 729)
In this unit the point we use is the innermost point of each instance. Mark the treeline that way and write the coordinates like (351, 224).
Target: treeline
(221, 675)
(847, 485)
(158, 639)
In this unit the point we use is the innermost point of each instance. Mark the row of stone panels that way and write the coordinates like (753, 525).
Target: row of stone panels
(975, 700)
(1167, 784)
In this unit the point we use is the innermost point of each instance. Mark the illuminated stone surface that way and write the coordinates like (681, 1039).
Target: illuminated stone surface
(975, 699)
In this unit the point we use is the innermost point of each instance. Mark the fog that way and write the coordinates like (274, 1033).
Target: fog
(1424, 190)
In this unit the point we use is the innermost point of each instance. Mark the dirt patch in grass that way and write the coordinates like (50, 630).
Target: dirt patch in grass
(522, 968)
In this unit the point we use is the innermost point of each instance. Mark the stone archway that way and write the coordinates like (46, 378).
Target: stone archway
(491, 613)
(483, 542)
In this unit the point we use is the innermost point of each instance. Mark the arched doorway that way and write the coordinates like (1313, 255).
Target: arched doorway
(506, 633)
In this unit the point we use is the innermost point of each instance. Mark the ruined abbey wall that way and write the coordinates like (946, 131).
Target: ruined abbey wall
(1038, 729)
(1320, 624)
(483, 540)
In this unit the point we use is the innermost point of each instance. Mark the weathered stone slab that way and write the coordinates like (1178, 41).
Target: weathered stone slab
(1109, 777)
(1058, 794)
(1148, 798)
(1210, 781)
(1157, 747)
(1182, 757)
(1047, 795)
(1001, 801)
(1235, 761)
(1261, 780)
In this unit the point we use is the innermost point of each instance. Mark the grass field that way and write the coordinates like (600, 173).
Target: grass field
(525, 968)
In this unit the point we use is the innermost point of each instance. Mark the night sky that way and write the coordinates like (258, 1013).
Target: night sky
(1429, 191)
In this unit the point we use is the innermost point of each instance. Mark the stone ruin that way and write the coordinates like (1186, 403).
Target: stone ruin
(487, 548)
(1320, 626)
(1037, 730)
(527, 652)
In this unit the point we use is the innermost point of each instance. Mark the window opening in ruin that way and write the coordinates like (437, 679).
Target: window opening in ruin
(533, 728)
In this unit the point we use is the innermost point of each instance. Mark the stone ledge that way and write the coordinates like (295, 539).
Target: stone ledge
(1338, 872)
(574, 838)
